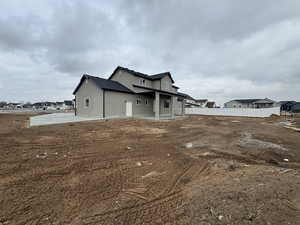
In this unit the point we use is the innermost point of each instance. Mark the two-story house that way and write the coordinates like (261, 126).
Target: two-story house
(127, 93)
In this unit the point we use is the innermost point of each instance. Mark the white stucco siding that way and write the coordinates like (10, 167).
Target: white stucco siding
(88, 90)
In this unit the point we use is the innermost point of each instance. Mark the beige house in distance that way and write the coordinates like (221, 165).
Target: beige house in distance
(250, 103)
(127, 93)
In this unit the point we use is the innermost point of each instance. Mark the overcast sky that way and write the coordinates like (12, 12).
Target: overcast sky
(214, 49)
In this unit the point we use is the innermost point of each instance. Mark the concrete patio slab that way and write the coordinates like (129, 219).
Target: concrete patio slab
(58, 118)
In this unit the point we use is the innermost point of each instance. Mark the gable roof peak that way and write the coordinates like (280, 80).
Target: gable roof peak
(143, 75)
(105, 84)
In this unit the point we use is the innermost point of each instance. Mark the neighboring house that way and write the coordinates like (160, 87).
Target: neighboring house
(68, 105)
(250, 103)
(295, 107)
(27, 106)
(39, 105)
(49, 105)
(13, 106)
(44, 105)
(3, 104)
(65, 105)
(286, 105)
(59, 105)
(201, 102)
(211, 105)
(190, 102)
(127, 93)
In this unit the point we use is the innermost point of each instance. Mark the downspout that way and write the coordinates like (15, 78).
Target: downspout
(103, 103)
(75, 107)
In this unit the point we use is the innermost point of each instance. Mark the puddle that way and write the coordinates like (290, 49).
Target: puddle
(247, 140)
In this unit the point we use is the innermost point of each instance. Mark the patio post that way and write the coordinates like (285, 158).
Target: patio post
(156, 106)
(173, 105)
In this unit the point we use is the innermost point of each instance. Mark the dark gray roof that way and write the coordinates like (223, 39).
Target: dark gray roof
(104, 84)
(246, 101)
(201, 100)
(186, 96)
(286, 102)
(162, 75)
(296, 107)
(159, 90)
(142, 75)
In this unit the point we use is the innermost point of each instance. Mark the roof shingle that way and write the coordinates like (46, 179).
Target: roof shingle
(104, 84)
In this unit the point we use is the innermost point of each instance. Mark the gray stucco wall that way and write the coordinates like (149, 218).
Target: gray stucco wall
(162, 109)
(178, 107)
(166, 84)
(115, 104)
(143, 109)
(95, 95)
(128, 79)
(156, 84)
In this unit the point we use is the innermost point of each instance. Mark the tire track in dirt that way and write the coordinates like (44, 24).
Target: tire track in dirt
(171, 200)
(137, 213)
(195, 168)
(249, 160)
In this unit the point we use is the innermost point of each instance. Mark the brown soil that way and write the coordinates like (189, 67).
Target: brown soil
(135, 172)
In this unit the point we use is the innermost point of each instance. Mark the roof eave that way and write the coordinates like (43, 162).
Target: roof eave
(80, 82)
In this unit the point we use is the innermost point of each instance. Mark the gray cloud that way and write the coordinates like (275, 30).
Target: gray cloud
(216, 49)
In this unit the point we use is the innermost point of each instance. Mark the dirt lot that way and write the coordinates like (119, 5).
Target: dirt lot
(195, 171)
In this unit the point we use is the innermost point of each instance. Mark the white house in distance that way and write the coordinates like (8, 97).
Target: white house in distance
(201, 102)
(250, 103)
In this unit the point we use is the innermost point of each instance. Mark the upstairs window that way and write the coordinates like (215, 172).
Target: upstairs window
(166, 86)
(142, 82)
(87, 102)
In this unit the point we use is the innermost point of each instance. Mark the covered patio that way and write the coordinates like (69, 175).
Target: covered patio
(163, 104)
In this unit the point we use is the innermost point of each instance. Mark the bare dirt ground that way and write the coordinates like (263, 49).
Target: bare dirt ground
(195, 171)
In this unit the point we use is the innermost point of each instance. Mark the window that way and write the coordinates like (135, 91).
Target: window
(142, 82)
(87, 102)
(166, 85)
(139, 101)
(166, 104)
(146, 101)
